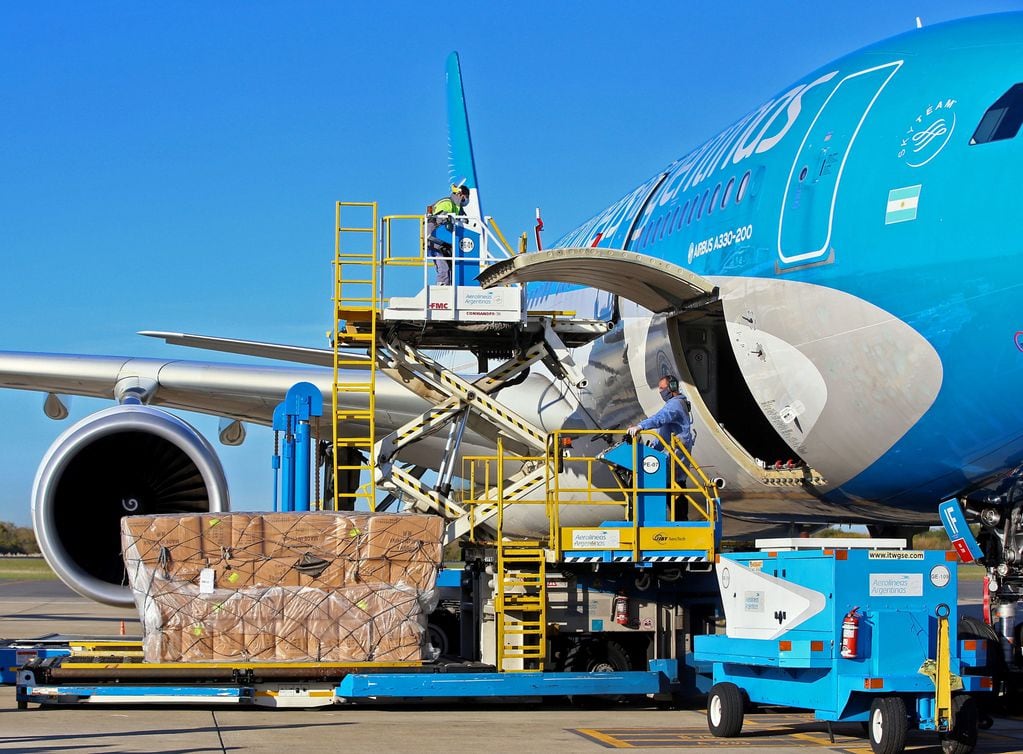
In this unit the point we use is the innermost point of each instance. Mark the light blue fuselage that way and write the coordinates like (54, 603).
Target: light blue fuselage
(870, 274)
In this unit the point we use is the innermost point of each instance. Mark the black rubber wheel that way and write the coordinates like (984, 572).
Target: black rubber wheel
(972, 628)
(725, 710)
(963, 736)
(443, 632)
(597, 657)
(888, 725)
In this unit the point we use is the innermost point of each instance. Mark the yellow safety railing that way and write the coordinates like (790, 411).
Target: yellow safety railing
(388, 256)
(686, 482)
(572, 480)
(398, 253)
(584, 480)
(520, 595)
(497, 232)
(356, 309)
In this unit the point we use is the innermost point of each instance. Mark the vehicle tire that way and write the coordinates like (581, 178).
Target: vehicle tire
(442, 632)
(972, 628)
(725, 709)
(963, 736)
(888, 725)
(597, 657)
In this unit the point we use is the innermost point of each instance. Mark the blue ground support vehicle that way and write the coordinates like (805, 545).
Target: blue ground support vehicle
(856, 635)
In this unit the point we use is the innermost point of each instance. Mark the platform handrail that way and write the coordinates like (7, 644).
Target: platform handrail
(485, 477)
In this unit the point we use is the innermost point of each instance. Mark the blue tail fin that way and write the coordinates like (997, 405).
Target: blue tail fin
(461, 164)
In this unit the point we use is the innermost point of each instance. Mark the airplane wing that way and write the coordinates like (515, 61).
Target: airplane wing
(237, 391)
(323, 357)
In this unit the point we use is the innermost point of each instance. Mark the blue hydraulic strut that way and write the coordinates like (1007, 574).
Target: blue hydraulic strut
(292, 417)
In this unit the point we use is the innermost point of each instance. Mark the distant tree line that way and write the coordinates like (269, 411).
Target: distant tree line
(17, 540)
(933, 539)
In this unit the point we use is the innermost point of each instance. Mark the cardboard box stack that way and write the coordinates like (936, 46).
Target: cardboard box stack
(301, 587)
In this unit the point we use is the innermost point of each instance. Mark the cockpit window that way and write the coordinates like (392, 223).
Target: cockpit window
(1003, 119)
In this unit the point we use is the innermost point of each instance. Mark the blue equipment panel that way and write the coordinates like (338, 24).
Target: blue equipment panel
(660, 678)
(16, 654)
(784, 617)
(958, 530)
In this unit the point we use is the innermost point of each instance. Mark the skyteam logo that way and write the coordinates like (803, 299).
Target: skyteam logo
(928, 134)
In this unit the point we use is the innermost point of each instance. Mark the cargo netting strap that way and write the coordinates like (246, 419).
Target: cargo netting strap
(318, 586)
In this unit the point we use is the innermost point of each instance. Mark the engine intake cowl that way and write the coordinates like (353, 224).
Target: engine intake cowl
(124, 461)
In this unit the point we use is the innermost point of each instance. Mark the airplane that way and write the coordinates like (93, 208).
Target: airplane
(839, 309)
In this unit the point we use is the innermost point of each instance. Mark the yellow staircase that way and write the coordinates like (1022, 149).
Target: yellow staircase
(356, 308)
(520, 604)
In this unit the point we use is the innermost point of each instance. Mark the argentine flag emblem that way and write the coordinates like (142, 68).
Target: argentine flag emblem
(902, 203)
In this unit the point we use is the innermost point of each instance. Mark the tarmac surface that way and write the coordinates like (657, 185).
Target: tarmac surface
(37, 608)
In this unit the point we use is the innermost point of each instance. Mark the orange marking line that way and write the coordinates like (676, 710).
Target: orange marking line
(607, 741)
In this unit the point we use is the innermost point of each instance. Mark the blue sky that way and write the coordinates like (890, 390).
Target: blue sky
(175, 165)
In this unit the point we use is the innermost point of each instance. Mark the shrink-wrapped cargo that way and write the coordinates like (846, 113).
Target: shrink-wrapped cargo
(331, 587)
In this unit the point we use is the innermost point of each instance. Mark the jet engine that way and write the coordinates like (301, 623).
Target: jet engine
(123, 461)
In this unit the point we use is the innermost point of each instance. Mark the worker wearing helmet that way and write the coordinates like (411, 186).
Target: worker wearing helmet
(439, 216)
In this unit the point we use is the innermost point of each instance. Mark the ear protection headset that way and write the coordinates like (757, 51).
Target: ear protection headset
(672, 382)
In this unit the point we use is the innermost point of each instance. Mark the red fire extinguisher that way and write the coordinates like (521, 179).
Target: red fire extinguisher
(850, 634)
(621, 605)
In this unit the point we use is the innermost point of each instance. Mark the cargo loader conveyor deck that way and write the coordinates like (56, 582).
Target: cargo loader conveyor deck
(73, 681)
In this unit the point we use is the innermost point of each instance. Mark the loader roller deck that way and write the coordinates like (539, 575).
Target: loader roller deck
(127, 665)
(98, 679)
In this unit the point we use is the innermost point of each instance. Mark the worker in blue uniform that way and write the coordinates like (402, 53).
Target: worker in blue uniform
(672, 420)
(438, 217)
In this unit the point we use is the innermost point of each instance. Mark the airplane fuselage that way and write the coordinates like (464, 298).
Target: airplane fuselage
(868, 265)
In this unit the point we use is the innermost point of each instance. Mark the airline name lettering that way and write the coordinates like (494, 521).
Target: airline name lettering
(743, 139)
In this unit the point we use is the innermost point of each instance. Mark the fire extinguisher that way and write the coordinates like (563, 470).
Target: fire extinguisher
(621, 610)
(851, 634)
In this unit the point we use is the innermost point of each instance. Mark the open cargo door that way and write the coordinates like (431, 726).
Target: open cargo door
(747, 446)
(661, 287)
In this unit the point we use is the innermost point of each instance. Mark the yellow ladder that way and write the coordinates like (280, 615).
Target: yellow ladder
(356, 308)
(520, 605)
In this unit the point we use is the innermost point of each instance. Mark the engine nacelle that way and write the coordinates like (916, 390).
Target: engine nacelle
(123, 461)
